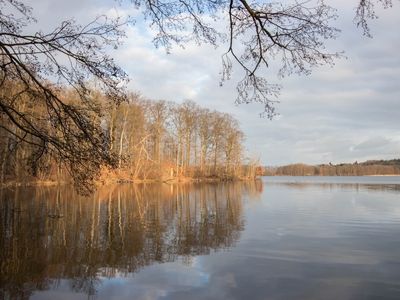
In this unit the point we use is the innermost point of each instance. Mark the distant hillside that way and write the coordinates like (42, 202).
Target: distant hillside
(370, 167)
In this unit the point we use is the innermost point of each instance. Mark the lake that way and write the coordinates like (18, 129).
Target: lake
(276, 238)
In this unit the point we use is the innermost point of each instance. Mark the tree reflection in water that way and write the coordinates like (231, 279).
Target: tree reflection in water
(49, 234)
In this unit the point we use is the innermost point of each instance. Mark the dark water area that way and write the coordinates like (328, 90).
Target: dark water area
(278, 238)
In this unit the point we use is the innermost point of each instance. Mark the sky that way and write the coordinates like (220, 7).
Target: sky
(345, 113)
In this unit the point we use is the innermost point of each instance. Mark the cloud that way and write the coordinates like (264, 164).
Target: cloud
(375, 143)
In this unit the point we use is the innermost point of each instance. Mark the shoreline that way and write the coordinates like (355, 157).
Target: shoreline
(100, 183)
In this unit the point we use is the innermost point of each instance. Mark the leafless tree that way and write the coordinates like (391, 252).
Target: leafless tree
(36, 67)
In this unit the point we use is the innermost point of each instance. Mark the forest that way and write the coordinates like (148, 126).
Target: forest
(370, 167)
(148, 140)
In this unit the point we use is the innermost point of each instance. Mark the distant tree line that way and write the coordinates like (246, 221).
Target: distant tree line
(147, 139)
(371, 167)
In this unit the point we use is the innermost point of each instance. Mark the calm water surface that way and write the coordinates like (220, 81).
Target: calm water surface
(279, 238)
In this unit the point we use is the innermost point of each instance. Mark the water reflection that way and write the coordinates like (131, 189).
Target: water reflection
(50, 234)
(339, 186)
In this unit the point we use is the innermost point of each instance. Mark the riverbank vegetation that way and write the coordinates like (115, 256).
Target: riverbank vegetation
(148, 141)
(367, 168)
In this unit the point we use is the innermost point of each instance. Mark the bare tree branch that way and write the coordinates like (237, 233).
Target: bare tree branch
(259, 32)
(36, 68)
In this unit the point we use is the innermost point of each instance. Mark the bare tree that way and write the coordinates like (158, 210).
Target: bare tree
(218, 123)
(189, 112)
(205, 136)
(232, 146)
(158, 114)
(34, 69)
